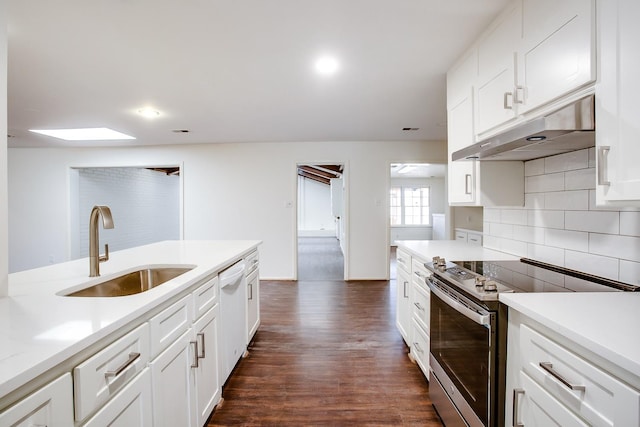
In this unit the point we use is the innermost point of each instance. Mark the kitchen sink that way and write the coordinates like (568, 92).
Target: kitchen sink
(135, 282)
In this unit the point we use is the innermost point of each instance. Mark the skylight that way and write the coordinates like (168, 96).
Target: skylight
(84, 134)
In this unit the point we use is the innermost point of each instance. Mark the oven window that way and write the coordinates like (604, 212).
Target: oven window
(461, 346)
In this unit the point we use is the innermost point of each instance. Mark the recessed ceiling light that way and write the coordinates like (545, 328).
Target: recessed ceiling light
(148, 112)
(327, 65)
(84, 134)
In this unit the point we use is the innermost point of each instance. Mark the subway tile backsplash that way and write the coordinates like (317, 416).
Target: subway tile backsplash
(561, 225)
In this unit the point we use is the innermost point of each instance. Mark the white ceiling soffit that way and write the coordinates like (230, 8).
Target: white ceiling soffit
(235, 71)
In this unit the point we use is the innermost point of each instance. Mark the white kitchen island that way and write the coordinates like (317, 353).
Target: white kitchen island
(44, 334)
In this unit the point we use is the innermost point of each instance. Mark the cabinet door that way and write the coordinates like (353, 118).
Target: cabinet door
(496, 90)
(51, 406)
(130, 407)
(617, 106)
(207, 385)
(558, 53)
(403, 307)
(461, 174)
(253, 304)
(172, 377)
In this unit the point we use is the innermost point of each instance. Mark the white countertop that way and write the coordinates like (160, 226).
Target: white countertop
(39, 329)
(605, 323)
(452, 250)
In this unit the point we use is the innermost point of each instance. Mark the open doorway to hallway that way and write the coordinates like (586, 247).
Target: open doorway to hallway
(321, 222)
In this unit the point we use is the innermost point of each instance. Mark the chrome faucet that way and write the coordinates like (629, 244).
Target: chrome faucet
(94, 252)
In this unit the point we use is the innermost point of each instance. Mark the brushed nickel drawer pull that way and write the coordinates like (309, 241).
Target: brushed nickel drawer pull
(548, 366)
(420, 307)
(417, 346)
(603, 159)
(516, 416)
(195, 354)
(201, 335)
(132, 358)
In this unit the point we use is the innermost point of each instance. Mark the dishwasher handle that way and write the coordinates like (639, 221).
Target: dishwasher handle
(231, 275)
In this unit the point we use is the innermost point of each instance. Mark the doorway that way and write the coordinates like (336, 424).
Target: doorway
(321, 222)
(417, 195)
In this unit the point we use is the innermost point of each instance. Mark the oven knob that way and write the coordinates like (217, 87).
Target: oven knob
(442, 262)
(490, 286)
(480, 281)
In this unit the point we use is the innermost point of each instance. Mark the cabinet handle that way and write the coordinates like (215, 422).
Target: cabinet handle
(250, 291)
(405, 294)
(132, 358)
(517, 98)
(417, 304)
(516, 416)
(195, 354)
(506, 101)
(201, 335)
(467, 183)
(417, 346)
(417, 273)
(548, 366)
(603, 157)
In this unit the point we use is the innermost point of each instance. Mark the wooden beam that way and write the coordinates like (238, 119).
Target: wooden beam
(313, 177)
(319, 172)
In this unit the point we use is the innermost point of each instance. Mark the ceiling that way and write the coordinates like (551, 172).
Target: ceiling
(235, 71)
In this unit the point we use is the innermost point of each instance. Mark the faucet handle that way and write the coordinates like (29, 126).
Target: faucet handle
(105, 257)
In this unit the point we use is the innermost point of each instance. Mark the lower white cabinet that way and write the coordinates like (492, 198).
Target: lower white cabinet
(173, 381)
(129, 407)
(403, 304)
(206, 374)
(551, 382)
(51, 406)
(469, 236)
(253, 304)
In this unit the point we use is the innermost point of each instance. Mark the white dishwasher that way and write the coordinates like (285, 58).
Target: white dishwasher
(233, 290)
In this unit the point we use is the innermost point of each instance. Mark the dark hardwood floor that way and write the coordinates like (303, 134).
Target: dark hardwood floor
(327, 353)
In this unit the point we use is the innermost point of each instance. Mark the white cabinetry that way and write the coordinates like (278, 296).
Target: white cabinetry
(473, 183)
(403, 288)
(496, 88)
(551, 382)
(617, 106)
(253, 295)
(207, 377)
(420, 310)
(51, 405)
(558, 49)
(469, 236)
(130, 407)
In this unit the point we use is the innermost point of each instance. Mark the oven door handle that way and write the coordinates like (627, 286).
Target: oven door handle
(480, 319)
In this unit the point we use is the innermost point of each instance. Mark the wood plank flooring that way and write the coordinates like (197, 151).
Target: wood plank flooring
(327, 354)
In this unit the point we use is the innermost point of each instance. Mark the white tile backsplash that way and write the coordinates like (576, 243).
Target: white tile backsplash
(560, 223)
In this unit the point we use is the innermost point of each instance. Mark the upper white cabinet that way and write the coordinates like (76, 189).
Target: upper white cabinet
(617, 107)
(557, 54)
(496, 88)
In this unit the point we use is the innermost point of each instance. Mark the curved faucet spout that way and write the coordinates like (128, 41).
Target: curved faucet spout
(94, 252)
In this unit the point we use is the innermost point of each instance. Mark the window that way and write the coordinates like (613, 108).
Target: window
(409, 206)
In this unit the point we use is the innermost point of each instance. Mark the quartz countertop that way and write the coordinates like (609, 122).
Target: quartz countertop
(604, 323)
(452, 250)
(40, 329)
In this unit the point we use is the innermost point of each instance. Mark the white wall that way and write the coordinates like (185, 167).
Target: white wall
(145, 206)
(231, 191)
(314, 209)
(561, 225)
(469, 217)
(4, 253)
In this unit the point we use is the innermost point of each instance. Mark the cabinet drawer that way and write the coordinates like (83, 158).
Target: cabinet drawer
(251, 261)
(403, 260)
(462, 236)
(421, 301)
(51, 406)
(130, 407)
(420, 348)
(167, 326)
(420, 272)
(205, 297)
(599, 398)
(474, 239)
(97, 379)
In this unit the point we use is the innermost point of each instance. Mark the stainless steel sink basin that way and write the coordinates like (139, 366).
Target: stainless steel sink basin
(132, 283)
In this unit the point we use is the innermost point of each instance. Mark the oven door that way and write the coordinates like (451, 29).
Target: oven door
(462, 344)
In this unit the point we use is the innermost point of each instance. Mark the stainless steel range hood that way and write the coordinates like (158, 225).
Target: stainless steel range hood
(567, 129)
